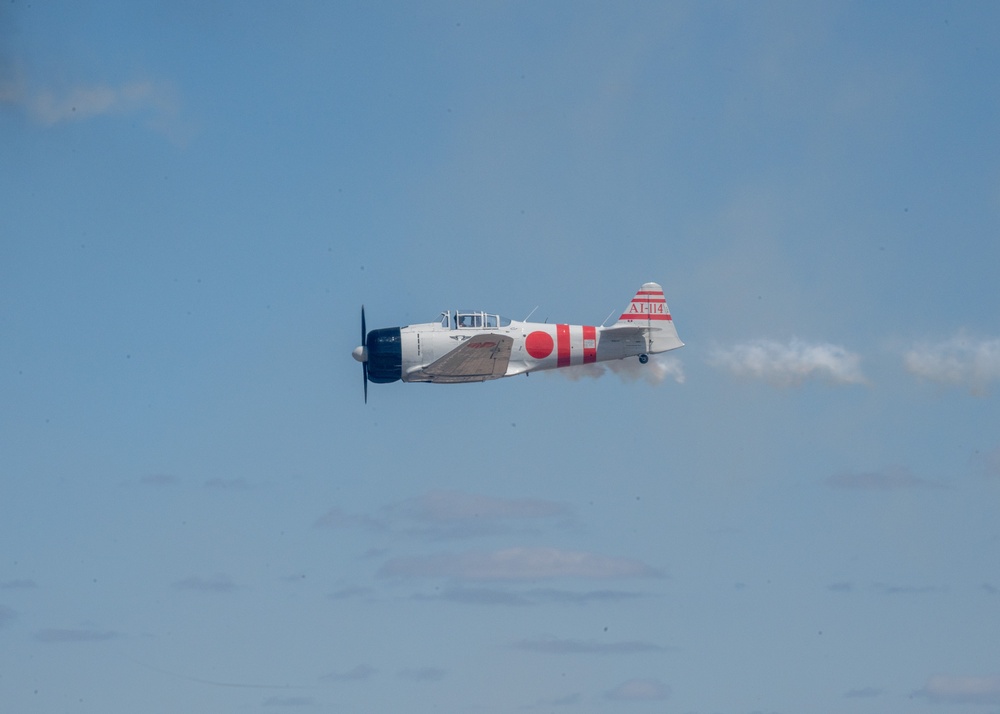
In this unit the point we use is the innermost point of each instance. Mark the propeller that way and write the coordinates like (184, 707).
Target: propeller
(360, 353)
(364, 365)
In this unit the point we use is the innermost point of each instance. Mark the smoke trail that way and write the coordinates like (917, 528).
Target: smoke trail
(653, 372)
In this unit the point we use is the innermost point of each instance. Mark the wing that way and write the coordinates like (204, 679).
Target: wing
(479, 358)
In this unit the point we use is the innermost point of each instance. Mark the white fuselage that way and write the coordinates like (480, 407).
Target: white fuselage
(536, 346)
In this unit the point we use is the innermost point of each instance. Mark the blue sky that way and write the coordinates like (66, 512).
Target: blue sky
(797, 512)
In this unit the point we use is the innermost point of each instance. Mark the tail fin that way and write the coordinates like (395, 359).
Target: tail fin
(648, 310)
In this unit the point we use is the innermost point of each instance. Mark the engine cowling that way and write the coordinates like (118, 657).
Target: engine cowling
(385, 355)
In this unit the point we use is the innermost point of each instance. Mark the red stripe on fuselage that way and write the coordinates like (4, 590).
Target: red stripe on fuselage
(562, 345)
(589, 344)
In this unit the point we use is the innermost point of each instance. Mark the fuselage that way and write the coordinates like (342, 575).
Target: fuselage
(475, 346)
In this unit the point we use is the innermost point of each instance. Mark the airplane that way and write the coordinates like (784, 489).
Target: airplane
(476, 346)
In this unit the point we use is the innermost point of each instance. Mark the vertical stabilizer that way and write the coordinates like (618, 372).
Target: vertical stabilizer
(648, 310)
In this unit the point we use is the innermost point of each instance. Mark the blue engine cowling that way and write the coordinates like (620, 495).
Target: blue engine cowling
(385, 355)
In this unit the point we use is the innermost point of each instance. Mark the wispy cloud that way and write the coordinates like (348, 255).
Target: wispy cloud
(57, 635)
(478, 596)
(159, 480)
(444, 514)
(228, 484)
(450, 506)
(452, 514)
(988, 463)
(337, 518)
(947, 689)
(551, 645)
(639, 690)
(423, 674)
(864, 693)
(890, 589)
(356, 674)
(790, 364)
(156, 101)
(516, 564)
(350, 593)
(216, 584)
(19, 584)
(962, 361)
(567, 701)
(656, 371)
(289, 702)
(888, 479)
(532, 596)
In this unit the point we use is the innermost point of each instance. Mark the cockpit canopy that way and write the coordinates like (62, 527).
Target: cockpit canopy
(472, 319)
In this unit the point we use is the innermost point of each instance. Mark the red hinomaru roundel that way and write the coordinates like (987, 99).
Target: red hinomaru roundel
(539, 344)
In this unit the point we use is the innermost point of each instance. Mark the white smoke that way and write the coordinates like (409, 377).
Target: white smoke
(962, 361)
(654, 372)
(156, 102)
(791, 364)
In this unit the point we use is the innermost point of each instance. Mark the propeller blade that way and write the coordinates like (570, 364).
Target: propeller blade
(364, 342)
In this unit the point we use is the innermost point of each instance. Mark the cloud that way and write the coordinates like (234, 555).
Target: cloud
(56, 635)
(888, 589)
(570, 597)
(159, 480)
(336, 518)
(423, 674)
(568, 700)
(551, 645)
(962, 361)
(639, 690)
(789, 365)
(987, 463)
(361, 672)
(352, 592)
(478, 596)
(864, 693)
(655, 371)
(6, 615)
(889, 479)
(521, 598)
(21, 584)
(946, 689)
(157, 101)
(516, 564)
(449, 506)
(228, 484)
(451, 514)
(442, 514)
(218, 584)
(289, 702)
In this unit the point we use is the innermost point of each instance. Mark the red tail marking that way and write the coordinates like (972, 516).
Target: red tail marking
(644, 316)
